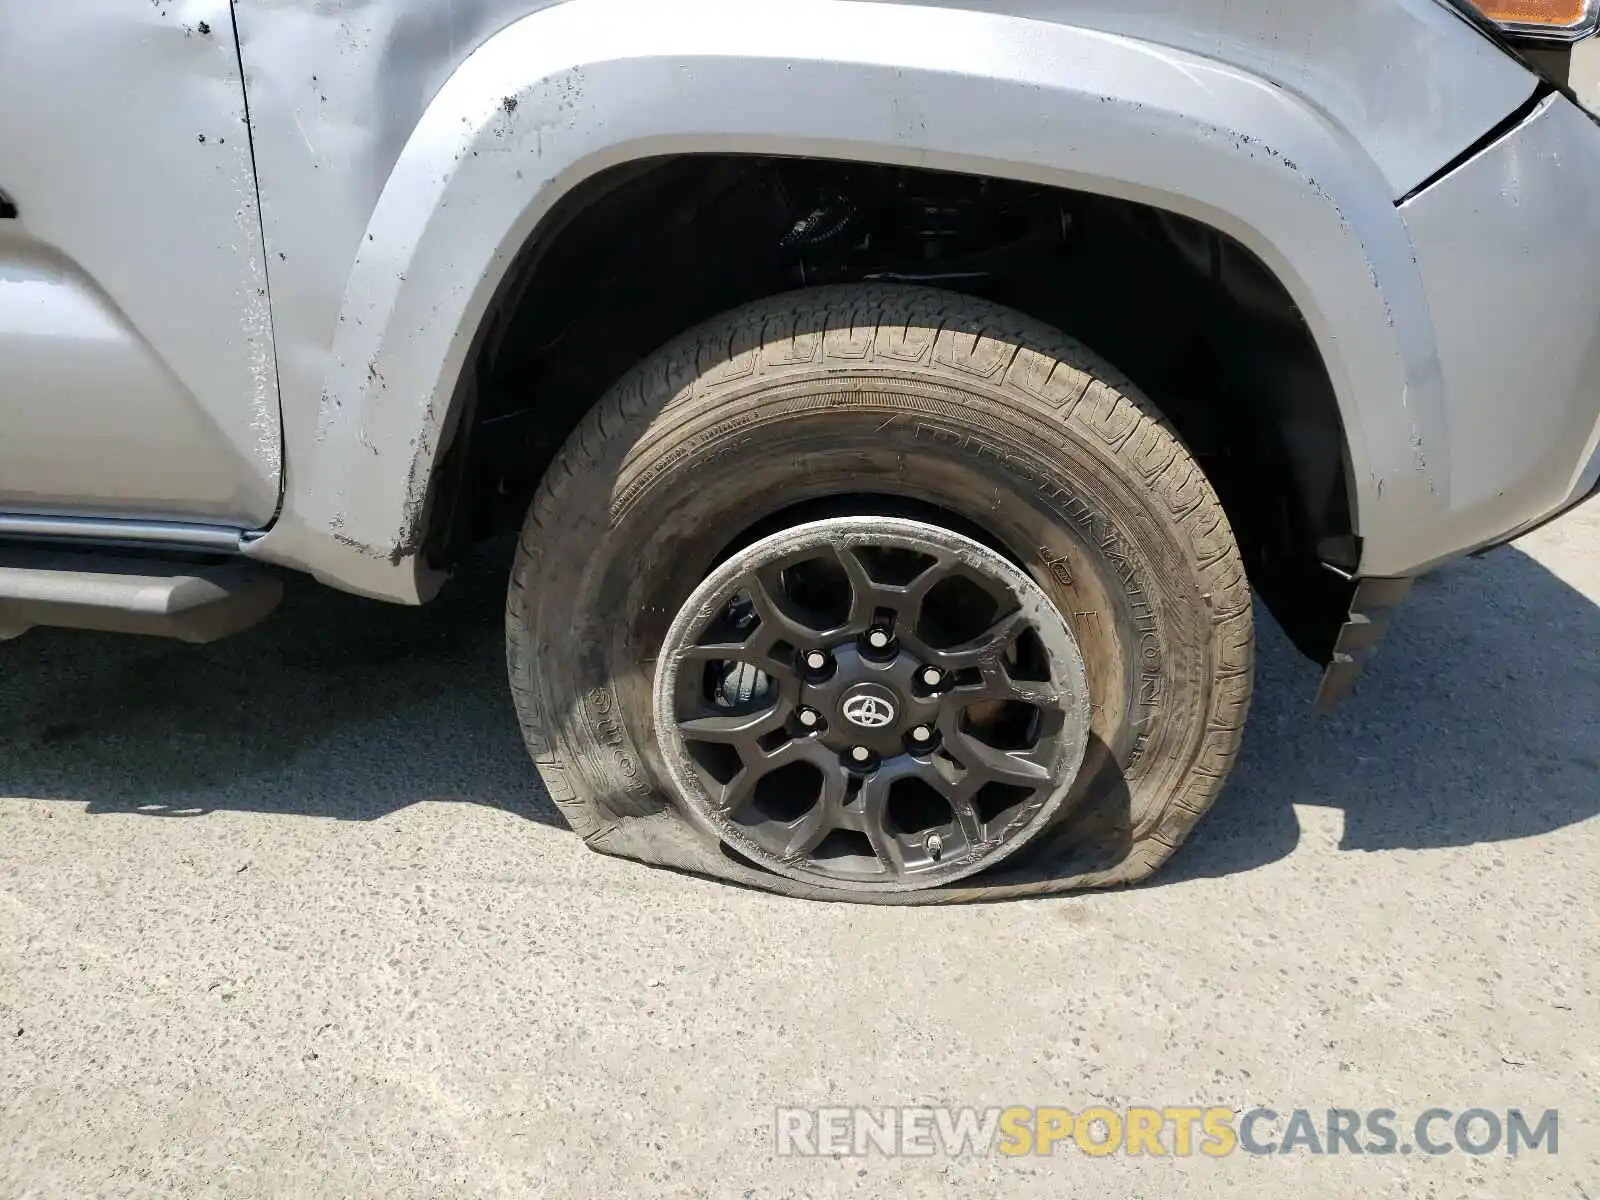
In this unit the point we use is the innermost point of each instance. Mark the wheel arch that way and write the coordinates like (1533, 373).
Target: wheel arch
(561, 96)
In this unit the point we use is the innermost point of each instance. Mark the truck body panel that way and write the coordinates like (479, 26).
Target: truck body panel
(136, 360)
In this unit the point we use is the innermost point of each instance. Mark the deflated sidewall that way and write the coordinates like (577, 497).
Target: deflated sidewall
(1084, 488)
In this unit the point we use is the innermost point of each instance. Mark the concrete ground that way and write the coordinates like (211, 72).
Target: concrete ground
(289, 916)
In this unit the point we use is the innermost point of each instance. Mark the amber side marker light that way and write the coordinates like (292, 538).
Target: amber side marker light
(1552, 20)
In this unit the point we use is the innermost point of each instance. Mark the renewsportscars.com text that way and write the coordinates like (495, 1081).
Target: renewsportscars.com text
(1179, 1131)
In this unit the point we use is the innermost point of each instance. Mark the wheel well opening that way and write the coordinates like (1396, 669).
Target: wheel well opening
(644, 251)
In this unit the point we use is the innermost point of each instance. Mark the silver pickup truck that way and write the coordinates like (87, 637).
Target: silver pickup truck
(900, 404)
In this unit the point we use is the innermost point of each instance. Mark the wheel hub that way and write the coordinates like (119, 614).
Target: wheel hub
(871, 703)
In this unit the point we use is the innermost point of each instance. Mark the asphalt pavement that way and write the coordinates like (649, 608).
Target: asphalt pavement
(289, 915)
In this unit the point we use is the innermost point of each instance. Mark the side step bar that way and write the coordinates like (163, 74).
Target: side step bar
(160, 597)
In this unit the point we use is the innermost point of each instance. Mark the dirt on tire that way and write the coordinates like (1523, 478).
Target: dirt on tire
(886, 399)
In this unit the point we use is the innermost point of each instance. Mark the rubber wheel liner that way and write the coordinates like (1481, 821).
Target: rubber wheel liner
(887, 401)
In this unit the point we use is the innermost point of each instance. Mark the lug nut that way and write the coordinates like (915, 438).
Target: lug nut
(932, 676)
(860, 754)
(816, 660)
(922, 733)
(879, 639)
(809, 717)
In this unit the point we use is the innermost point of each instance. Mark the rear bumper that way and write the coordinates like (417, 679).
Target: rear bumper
(1508, 247)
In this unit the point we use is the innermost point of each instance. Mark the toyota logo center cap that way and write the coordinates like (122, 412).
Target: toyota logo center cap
(869, 707)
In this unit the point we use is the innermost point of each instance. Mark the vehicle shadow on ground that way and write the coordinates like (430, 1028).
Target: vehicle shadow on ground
(336, 707)
(1478, 722)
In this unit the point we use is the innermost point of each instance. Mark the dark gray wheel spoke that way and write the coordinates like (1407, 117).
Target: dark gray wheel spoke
(869, 594)
(725, 797)
(797, 836)
(736, 793)
(1029, 691)
(806, 834)
(1013, 767)
(986, 648)
(721, 651)
(996, 684)
(756, 650)
(872, 821)
(962, 804)
(793, 750)
(887, 719)
(730, 727)
(864, 594)
(764, 588)
(959, 793)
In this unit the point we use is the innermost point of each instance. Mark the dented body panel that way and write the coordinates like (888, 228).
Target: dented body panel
(136, 368)
(406, 152)
(107, 428)
(390, 269)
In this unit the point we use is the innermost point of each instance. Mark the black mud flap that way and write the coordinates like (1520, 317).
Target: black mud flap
(1370, 609)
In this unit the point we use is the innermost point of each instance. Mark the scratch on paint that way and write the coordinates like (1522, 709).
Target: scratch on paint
(312, 150)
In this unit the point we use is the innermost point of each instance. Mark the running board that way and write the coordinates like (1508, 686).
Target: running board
(159, 597)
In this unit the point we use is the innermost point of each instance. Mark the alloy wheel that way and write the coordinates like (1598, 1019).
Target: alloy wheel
(871, 703)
